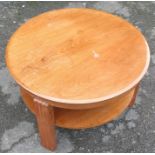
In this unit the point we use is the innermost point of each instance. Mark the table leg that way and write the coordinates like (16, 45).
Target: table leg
(134, 96)
(46, 124)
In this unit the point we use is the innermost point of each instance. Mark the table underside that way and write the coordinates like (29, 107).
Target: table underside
(85, 118)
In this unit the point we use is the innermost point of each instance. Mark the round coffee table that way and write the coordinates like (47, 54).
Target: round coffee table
(76, 68)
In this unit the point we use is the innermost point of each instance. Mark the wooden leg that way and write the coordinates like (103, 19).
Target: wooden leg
(134, 96)
(46, 124)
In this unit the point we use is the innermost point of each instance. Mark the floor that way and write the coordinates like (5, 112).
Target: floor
(133, 131)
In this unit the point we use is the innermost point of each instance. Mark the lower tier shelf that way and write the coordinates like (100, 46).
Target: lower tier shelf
(87, 118)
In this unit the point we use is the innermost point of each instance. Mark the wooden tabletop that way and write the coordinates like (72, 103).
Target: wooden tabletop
(77, 55)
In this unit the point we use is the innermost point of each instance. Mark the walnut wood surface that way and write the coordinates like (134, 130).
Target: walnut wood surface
(77, 56)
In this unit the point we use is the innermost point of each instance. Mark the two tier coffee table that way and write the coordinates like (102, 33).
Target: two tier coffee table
(76, 68)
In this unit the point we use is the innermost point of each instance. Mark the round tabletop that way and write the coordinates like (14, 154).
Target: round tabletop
(77, 55)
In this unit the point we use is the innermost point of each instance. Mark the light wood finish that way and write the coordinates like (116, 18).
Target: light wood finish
(86, 118)
(134, 96)
(77, 68)
(77, 56)
(28, 98)
(46, 123)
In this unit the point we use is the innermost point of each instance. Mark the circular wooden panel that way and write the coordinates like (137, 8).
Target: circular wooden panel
(77, 56)
(78, 119)
(86, 118)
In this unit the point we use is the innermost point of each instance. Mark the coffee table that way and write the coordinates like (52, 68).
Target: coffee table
(76, 68)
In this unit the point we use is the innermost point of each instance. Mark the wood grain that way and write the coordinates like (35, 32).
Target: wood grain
(46, 124)
(77, 56)
(80, 119)
(85, 118)
(76, 68)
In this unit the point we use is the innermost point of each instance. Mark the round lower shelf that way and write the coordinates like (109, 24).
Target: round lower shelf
(87, 118)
